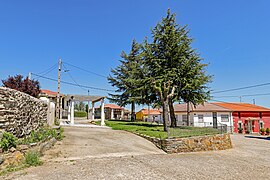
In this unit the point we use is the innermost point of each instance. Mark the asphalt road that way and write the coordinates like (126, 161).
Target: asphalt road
(91, 153)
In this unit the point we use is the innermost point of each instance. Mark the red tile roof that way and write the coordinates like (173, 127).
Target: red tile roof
(152, 111)
(242, 107)
(48, 92)
(206, 107)
(111, 106)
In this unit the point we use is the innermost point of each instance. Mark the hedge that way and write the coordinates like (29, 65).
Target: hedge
(80, 114)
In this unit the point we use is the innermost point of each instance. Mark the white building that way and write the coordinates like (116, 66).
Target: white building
(207, 115)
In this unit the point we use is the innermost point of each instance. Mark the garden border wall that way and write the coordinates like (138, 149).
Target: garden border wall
(192, 144)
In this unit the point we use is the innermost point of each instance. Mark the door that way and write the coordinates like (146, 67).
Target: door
(214, 120)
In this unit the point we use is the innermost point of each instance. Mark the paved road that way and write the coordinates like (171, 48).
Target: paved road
(106, 154)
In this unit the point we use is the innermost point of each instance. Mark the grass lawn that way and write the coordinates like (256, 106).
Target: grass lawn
(155, 130)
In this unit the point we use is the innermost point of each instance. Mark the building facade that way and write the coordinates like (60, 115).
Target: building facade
(154, 115)
(248, 117)
(207, 115)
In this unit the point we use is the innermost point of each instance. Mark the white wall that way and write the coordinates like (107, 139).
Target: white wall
(207, 119)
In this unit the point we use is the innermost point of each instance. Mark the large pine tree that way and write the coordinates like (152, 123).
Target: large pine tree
(174, 68)
(125, 78)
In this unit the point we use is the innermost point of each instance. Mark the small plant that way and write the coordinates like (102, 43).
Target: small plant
(247, 131)
(8, 141)
(267, 131)
(240, 130)
(32, 158)
(42, 134)
(262, 131)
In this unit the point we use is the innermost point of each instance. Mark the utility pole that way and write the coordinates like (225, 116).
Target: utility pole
(240, 97)
(254, 102)
(58, 90)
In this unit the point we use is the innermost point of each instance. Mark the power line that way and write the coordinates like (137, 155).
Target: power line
(72, 84)
(100, 75)
(43, 73)
(66, 70)
(246, 95)
(241, 88)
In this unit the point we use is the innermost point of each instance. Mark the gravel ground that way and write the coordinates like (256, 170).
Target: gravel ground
(106, 154)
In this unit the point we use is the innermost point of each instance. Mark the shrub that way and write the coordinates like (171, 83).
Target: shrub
(80, 114)
(267, 130)
(262, 130)
(8, 141)
(42, 134)
(32, 158)
(240, 130)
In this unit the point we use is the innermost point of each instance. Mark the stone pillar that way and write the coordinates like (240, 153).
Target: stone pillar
(102, 113)
(122, 114)
(93, 111)
(112, 114)
(72, 113)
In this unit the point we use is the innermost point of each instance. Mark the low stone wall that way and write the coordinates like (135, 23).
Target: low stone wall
(192, 144)
(20, 113)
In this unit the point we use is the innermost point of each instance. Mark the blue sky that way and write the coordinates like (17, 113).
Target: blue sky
(232, 36)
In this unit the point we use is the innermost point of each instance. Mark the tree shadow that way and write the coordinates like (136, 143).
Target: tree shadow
(258, 137)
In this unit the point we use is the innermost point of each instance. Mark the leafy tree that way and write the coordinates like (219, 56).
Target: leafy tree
(28, 86)
(174, 68)
(126, 77)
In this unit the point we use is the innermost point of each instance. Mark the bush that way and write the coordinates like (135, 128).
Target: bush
(240, 130)
(80, 114)
(262, 130)
(42, 134)
(267, 130)
(32, 158)
(8, 141)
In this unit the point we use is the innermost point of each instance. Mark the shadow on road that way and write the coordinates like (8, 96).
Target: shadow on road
(258, 137)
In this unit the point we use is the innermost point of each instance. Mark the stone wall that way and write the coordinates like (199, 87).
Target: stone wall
(20, 113)
(193, 144)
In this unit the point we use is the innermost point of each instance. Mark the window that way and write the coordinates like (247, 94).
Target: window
(224, 118)
(184, 118)
(200, 118)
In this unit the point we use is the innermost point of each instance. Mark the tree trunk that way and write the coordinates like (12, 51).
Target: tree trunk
(172, 115)
(165, 115)
(133, 116)
(188, 114)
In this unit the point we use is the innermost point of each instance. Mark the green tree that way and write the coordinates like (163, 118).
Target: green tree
(174, 68)
(125, 78)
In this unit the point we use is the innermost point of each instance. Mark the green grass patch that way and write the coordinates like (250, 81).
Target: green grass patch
(32, 158)
(155, 130)
(10, 169)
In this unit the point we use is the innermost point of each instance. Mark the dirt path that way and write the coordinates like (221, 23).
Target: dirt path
(107, 154)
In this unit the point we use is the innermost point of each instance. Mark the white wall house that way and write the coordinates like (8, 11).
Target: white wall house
(207, 115)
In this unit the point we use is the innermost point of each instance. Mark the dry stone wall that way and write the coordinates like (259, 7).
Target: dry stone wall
(193, 144)
(20, 113)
